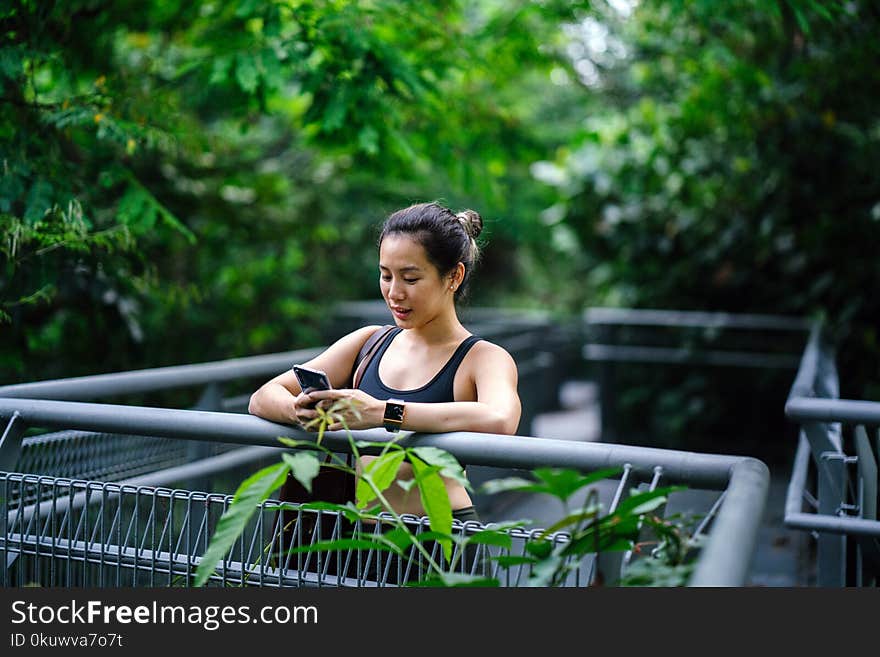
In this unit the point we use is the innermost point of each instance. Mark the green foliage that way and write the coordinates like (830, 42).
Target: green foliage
(724, 163)
(729, 164)
(377, 477)
(241, 155)
(590, 531)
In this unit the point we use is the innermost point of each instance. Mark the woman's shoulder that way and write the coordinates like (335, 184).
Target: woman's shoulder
(490, 363)
(485, 350)
(356, 339)
(367, 331)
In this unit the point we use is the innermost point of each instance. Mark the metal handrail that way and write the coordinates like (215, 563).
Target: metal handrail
(797, 519)
(98, 386)
(724, 561)
(614, 318)
(850, 411)
(693, 319)
(814, 403)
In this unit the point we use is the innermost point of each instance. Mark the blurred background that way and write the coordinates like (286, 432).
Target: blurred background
(192, 181)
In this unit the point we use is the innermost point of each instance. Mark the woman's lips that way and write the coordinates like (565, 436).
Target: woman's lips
(401, 313)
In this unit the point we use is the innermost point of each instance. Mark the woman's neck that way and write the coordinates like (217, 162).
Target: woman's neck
(443, 328)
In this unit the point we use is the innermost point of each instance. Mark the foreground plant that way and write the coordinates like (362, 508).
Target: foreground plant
(428, 463)
(586, 530)
(550, 556)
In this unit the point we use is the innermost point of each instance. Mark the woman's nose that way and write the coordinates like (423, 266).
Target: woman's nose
(396, 290)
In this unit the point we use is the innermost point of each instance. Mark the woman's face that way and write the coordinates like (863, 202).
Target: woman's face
(411, 285)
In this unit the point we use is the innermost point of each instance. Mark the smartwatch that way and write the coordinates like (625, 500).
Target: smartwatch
(395, 410)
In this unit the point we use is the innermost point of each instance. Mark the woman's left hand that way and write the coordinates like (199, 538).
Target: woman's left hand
(362, 412)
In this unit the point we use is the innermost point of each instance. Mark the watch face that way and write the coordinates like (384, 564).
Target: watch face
(394, 411)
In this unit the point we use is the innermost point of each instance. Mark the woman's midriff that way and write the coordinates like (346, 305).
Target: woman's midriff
(409, 501)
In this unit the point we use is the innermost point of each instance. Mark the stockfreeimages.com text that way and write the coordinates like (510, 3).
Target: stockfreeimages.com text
(210, 617)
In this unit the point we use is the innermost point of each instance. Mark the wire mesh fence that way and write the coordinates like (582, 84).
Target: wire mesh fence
(79, 533)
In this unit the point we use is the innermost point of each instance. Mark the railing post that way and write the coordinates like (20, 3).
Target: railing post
(831, 548)
(10, 443)
(868, 555)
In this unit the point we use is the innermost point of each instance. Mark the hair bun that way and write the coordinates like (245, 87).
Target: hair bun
(472, 222)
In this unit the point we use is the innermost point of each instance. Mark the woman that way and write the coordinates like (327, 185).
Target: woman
(430, 374)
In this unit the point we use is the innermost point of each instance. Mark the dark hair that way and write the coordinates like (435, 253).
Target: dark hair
(448, 238)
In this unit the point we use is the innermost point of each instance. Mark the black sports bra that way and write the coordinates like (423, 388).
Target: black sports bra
(438, 389)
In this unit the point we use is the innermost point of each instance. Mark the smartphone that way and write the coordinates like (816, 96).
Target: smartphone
(310, 379)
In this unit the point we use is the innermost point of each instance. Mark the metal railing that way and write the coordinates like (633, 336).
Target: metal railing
(839, 445)
(615, 336)
(32, 522)
(103, 456)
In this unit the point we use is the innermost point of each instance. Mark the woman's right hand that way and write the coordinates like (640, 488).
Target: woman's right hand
(304, 410)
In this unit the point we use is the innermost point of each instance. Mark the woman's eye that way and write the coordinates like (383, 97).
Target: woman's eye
(387, 279)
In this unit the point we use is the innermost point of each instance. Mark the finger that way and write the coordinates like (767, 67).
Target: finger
(303, 402)
(319, 395)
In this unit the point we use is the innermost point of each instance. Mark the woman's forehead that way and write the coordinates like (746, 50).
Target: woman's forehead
(402, 252)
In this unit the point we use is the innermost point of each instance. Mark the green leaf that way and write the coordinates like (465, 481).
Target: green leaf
(431, 535)
(540, 548)
(400, 537)
(247, 8)
(351, 512)
(220, 69)
(174, 222)
(572, 520)
(10, 63)
(636, 500)
(335, 110)
(564, 482)
(406, 484)
(368, 140)
(449, 465)
(38, 202)
(649, 505)
(457, 580)
(435, 501)
(382, 472)
(372, 443)
(508, 484)
(292, 442)
(508, 561)
(609, 534)
(246, 73)
(654, 572)
(250, 493)
(561, 483)
(273, 75)
(304, 467)
(546, 570)
(490, 537)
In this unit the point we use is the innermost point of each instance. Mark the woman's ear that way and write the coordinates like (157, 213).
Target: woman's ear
(456, 277)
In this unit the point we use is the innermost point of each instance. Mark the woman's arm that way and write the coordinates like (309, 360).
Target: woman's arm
(496, 410)
(281, 398)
